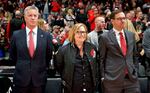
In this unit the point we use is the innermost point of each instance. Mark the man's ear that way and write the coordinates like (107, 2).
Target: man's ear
(112, 20)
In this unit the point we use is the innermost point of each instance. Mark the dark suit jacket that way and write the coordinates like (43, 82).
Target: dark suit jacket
(28, 68)
(65, 60)
(146, 46)
(146, 42)
(112, 61)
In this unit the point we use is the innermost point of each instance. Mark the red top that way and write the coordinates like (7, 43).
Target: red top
(55, 6)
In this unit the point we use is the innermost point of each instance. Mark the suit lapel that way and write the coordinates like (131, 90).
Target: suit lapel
(127, 39)
(24, 43)
(40, 37)
(112, 36)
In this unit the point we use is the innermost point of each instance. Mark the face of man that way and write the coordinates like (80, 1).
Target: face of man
(31, 18)
(100, 23)
(119, 21)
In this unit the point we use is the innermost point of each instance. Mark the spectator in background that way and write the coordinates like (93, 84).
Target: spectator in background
(117, 4)
(42, 24)
(64, 35)
(129, 16)
(51, 21)
(31, 50)
(78, 66)
(140, 27)
(60, 21)
(92, 13)
(129, 26)
(118, 58)
(138, 24)
(55, 33)
(16, 23)
(55, 7)
(81, 17)
(63, 10)
(108, 20)
(2, 42)
(66, 41)
(99, 29)
(70, 18)
(95, 34)
(40, 5)
(79, 6)
(46, 10)
(2, 17)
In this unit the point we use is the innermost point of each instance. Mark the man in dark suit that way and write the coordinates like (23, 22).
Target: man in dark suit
(118, 58)
(146, 46)
(31, 49)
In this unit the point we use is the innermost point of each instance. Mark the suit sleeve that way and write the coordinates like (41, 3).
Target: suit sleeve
(13, 50)
(49, 49)
(146, 43)
(59, 63)
(102, 53)
(135, 53)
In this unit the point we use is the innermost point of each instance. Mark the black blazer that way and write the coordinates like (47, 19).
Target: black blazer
(28, 68)
(65, 59)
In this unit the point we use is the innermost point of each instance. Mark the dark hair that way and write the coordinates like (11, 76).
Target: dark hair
(112, 16)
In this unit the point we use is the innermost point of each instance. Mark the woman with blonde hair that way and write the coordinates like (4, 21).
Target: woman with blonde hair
(76, 62)
(42, 24)
(129, 26)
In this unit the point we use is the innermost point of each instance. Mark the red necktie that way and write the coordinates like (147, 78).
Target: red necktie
(31, 44)
(123, 48)
(123, 44)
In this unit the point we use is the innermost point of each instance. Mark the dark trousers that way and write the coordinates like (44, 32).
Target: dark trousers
(126, 86)
(148, 84)
(28, 89)
(147, 67)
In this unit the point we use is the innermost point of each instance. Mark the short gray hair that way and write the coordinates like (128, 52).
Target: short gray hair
(29, 8)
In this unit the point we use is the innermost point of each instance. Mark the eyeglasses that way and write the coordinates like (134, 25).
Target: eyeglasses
(121, 18)
(81, 32)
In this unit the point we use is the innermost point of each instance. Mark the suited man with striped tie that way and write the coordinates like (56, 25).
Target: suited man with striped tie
(31, 50)
(118, 58)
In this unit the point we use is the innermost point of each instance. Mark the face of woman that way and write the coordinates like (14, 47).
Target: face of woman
(80, 35)
(46, 26)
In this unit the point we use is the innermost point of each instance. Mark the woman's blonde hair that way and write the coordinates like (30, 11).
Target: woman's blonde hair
(70, 11)
(41, 23)
(129, 26)
(74, 30)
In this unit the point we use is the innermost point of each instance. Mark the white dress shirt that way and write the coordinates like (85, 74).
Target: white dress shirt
(34, 36)
(117, 34)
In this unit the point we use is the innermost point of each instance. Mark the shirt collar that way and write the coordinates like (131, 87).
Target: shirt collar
(34, 30)
(117, 32)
